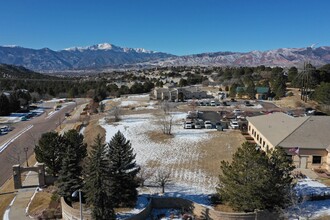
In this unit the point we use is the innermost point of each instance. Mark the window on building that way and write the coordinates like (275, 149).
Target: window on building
(260, 140)
(249, 128)
(317, 159)
(263, 144)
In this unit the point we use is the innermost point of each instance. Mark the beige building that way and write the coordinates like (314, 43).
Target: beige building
(179, 94)
(306, 139)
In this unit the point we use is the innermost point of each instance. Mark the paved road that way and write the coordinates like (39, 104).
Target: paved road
(29, 139)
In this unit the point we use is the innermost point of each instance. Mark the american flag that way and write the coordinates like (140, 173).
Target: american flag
(294, 150)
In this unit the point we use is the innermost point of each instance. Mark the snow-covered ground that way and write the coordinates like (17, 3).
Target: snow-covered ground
(180, 156)
(178, 152)
(310, 209)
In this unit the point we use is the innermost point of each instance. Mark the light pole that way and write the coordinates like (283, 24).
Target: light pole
(74, 194)
(26, 149)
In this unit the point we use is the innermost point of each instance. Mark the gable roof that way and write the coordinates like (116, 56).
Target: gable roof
(312, 134)
(277, 126)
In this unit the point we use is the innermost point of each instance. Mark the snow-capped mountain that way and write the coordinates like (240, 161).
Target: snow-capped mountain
(104, 56)
(97, 56)
(107, 46)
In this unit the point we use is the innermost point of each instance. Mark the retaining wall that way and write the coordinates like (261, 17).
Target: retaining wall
(199, 211)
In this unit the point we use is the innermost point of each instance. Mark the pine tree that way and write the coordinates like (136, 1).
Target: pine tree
(254, 180)
(70, 175)
(4, 105)
(123, 171)
(50, 151)
(98, 184)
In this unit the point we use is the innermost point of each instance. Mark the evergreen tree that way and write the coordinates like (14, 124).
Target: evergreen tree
(123, 171)
(98, 184)
(50, 151)
(4, 105)
(70, 175)
(251, 91)
(322, 93)
(255, 180)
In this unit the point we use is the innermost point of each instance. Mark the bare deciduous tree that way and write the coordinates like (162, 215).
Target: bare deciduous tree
(166, 122)
(166, 118)
(116, 113)
(144, 175)
(162, 178)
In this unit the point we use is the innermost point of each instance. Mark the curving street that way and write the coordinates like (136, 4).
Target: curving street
(26, 134)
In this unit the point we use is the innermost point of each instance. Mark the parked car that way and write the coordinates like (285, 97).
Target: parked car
(213, 103)
(24, 118)
(6, 128)
(237, 111)
(208, 124)
(199, 123)
(188, 124)
(225, 104)
(234, 124)
(247, 103)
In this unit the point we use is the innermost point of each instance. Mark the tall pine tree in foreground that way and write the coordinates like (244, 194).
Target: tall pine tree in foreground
(98, 184)
(50, 151)
(256, 180)
(123, 171)
(70, 175)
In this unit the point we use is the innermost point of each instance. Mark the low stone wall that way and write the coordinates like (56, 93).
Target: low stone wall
(69, 213)
(200, 211)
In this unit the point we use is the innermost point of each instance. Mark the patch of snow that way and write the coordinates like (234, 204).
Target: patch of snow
(181, 148)
(55, 100)
(311, 187)
(128, 103)
(141, 203)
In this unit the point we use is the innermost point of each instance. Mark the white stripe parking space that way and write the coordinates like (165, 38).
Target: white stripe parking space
(5, 145)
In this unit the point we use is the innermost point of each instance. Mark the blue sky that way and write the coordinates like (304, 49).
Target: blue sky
(174, 26)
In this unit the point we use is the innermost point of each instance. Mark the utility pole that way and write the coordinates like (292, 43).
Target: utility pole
(26, 149)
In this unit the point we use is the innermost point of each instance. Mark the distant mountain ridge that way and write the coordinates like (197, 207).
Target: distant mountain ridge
(78, 58)
(284, 57)
(109, 56)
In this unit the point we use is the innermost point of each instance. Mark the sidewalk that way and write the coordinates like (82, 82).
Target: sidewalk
(19, 206)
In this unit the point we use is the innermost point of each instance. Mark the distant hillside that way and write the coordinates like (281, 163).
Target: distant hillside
(19, 72)
(283, 57)
(96, 58)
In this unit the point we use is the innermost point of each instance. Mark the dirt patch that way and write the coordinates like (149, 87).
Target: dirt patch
(5, 198)
(223, 208)
(159, 137)
(221, 146)
(93, 129)
(294, 101)
(40, 203)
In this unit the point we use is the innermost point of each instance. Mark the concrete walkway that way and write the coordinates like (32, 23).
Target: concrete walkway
(19, 206)
(308, 172)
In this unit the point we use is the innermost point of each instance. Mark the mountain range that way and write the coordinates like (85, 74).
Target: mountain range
(108, 56)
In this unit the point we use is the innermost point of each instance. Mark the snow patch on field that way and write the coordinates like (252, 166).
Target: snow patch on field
(178, 152)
